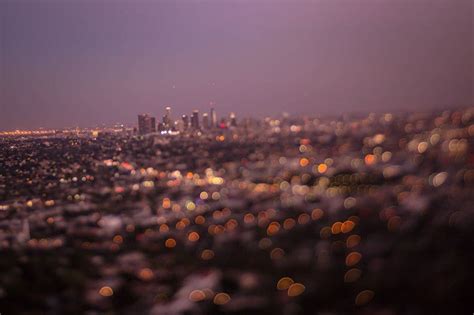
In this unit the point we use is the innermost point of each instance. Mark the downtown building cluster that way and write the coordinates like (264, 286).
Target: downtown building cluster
(209, 121)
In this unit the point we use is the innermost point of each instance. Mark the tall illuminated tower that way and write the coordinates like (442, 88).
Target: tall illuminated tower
(213, 118)
(167, 121)
(233, 120)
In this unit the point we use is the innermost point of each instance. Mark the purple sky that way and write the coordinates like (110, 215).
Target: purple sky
(68, 63)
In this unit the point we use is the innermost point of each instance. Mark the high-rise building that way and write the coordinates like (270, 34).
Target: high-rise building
(146, 124)
(142, 124)
(160, 127)
(213, 118)
(205, 121)
(232, 120)
(179, 126)
(185, 120)
(152, 124)
(167, 121)
(195, 119)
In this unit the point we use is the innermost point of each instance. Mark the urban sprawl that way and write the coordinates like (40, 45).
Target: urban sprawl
(367, 214)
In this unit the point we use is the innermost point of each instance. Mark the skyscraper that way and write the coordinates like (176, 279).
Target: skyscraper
(167, 121)
(152, 124)
(164, 121)
(232, 120)
(185, 119)
(142, 124)
(146, 124)
(213, 118)
(205, 121)
(160, 127)
(195, 119)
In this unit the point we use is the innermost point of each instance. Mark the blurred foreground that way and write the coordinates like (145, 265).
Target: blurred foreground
(369, 215)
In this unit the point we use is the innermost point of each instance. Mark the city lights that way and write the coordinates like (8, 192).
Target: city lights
(230, 218)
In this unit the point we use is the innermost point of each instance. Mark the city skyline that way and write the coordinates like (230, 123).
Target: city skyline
(229, 157)
(283, 217)
(208, 120)
(79, 64)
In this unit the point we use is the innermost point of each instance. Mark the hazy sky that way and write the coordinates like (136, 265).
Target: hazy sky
(71, 62)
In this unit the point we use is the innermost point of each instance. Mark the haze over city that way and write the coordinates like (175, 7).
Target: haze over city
(82, 63)
(236, 157)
